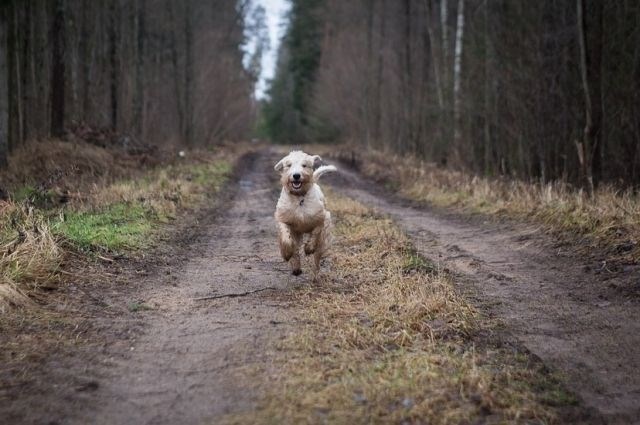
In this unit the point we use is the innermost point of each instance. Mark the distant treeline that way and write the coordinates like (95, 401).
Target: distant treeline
(163, 71)
(536, 90)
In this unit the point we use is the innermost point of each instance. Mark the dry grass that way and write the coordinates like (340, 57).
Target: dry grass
(611, 219)
(388, 340)
(29, 254)
(102, 211)
(163, 189)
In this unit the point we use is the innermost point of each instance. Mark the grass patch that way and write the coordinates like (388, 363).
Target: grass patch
(121, 216)
(119, 226)
(415, 263)
(387, 339)
(30, 255)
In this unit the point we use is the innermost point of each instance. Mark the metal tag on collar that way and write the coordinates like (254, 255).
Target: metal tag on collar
(302, 201)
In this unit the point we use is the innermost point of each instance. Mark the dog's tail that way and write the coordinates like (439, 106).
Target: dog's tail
(323, 169)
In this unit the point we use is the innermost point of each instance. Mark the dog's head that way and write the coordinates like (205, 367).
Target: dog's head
(296, 171)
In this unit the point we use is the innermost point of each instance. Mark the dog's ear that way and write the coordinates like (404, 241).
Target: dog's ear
(280, 165)
(317, 161)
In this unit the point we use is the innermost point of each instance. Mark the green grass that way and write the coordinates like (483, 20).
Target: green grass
(414, 262)
(130, 211)
(119, 226)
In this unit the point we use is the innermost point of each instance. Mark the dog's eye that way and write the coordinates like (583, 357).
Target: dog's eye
(304, 165)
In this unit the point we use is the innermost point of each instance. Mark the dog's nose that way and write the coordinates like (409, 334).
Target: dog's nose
(296, 176)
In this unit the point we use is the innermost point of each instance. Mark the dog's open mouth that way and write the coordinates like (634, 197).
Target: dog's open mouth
(296, 185)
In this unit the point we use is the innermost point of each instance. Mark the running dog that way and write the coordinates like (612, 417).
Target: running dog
(301, 209)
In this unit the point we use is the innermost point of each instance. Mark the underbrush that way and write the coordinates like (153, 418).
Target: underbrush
(611, 218)
(93, 212)
(387, 339)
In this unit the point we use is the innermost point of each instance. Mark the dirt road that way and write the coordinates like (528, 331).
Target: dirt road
(579, 317)
(184, 369)
(190, 361)
(180, 361)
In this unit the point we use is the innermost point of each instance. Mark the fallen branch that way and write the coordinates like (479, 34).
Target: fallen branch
(242, 294)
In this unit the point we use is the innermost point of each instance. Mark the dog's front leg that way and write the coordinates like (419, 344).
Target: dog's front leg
(289, 242)
(296, 268)
(286, 241)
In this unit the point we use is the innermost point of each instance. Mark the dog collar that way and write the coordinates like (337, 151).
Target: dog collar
(299, 196)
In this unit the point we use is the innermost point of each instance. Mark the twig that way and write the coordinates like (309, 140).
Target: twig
(242, 294)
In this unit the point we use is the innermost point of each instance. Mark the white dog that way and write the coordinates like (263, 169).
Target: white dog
(301, 209)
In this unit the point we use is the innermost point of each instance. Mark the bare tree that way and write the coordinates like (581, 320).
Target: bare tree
(140, 21)
(457, 81)
(58, 69)
(590, 64)
(114, 78)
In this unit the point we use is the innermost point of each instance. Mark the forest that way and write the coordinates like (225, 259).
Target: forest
(156, 71)
(539, 91)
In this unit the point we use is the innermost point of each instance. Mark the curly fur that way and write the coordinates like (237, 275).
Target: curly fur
(301, 210)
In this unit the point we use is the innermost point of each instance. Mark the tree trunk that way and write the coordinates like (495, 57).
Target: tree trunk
(173, 47)
(27, 40)
(188, 75)
(58, 69)
(457, 74)
(377, 102)
(488, 84)
(435, 57)
(368, 81)
(4, 94)
(444, 25)
(407, 126)
(43, 68)
(18, 71)
(113, 64)
(85, 59)
(590, 43)
(140, 61)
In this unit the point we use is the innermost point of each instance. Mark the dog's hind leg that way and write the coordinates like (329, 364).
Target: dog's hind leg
(312, 244)
(322, 244)
(319, 236)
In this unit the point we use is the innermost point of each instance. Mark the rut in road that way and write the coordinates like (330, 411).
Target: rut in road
(188, 366)
(561, 312)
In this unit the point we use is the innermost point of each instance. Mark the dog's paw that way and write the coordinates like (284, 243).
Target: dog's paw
(296, 272)
(287, 251)
(309, 249)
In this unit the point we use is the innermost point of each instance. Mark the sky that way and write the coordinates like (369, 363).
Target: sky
(275, 15)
